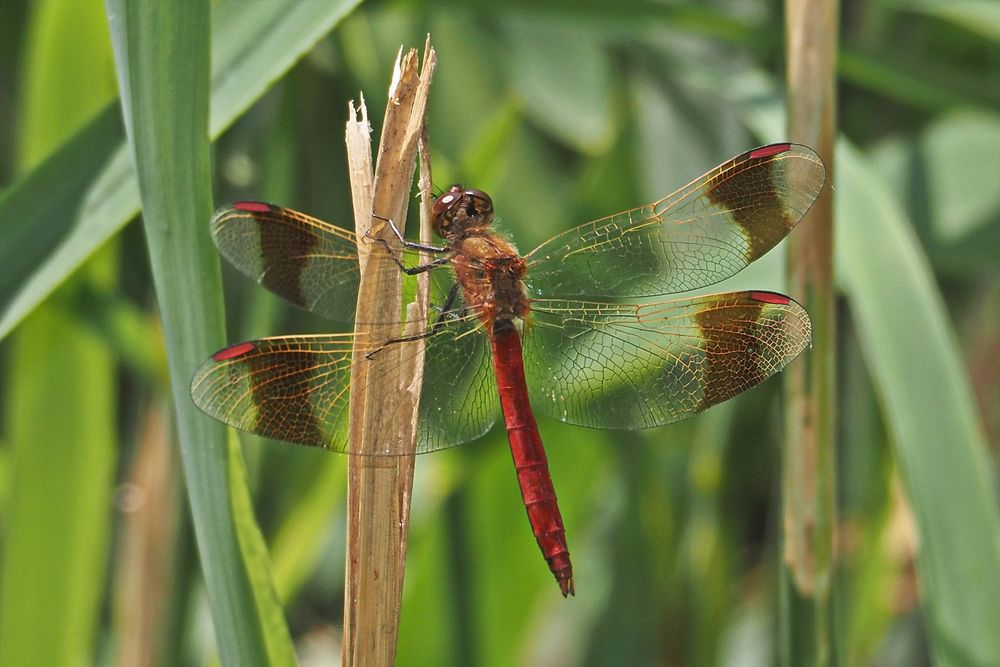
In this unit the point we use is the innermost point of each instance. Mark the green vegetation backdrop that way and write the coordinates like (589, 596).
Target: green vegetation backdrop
(563, 111)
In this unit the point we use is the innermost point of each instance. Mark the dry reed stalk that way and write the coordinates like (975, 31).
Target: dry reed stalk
(149, 530)
(383, 412)
(809, 461)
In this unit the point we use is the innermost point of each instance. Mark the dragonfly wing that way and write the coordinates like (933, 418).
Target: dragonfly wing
(292, 388)
(309, 263)
(705, 232)
(296, 388)
(459, 401)
(638, 366)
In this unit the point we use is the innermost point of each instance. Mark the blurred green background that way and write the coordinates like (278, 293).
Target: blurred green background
(564, 111)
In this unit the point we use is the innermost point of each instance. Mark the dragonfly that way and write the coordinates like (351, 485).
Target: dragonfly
(563, 329)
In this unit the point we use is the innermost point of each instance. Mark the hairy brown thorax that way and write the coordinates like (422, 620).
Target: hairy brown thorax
(488, 267)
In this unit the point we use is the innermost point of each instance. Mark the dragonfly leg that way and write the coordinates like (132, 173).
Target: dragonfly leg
(402, 339)
(413, 245)
(410, 271)
(420, 268)
(446, 312)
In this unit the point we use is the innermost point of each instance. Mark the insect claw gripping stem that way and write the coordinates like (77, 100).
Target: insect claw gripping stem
(413, 245)
(410, 271)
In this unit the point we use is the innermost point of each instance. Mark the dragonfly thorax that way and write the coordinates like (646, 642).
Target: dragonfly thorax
(490, 272)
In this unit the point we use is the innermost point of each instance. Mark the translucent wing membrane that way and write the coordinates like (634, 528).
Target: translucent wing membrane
(705, 232)
(295, 388)
(309, 263)
(600, 365)
(639, 366)
(604, 365)
(459, 401)
(292, 388)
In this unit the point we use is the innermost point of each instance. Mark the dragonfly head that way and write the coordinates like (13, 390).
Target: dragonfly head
(459, 209)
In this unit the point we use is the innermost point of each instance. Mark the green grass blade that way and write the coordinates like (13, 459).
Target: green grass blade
(254, 44)
(924, 85)
(161, 49)
(978, 16)
(38, 219)
(58, 516)
(57, 521)
(939, 444)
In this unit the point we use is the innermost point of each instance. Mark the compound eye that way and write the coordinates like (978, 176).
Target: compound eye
(483, 202)
(447, 200)
(442, 205)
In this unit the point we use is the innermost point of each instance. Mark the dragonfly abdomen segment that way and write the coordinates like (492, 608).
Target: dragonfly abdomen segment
(526, 447)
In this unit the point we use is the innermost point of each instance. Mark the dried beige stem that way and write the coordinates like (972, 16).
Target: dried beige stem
(809, 468)
(808, 459)
(416, 312)
(383, 409)
(359, 164)
(149, 526)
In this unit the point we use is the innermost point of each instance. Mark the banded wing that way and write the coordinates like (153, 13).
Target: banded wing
(705, 232)
(637, 366)
(309, 263)
(295, 388)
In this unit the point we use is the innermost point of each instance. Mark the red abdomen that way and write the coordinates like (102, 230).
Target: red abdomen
(529, 455)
